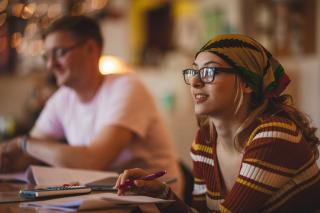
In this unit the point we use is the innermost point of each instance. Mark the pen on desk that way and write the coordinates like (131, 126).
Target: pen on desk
(130, 183)
(55, 186)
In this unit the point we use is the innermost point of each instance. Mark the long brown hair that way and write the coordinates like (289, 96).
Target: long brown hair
(283, 106)
(280, 106)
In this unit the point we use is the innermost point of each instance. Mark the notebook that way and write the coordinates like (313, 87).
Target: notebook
(93, 201)
(105, 184)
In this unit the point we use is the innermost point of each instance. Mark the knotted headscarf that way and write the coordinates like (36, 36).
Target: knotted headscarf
(256, 66)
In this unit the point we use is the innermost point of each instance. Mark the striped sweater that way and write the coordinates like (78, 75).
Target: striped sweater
(278, 173)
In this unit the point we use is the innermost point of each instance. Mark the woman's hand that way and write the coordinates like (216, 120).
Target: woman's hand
(152, 188)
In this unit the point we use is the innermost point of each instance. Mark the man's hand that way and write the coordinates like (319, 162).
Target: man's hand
(12, 158)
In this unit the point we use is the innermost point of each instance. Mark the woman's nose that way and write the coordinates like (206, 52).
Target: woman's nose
(195, 81)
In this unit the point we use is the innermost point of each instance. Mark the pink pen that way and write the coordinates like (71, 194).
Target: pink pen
(130, 183)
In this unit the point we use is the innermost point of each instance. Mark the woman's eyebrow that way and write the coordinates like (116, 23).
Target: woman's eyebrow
(211, 62)
(207, 63)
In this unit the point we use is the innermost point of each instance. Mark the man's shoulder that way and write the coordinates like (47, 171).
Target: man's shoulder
(62, 94)
(121, 78)
(126, 82)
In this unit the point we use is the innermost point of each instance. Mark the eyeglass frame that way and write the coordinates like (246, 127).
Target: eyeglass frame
(198, 73)
(59, 52)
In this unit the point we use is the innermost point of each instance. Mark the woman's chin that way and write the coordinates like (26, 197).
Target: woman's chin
(201, 112)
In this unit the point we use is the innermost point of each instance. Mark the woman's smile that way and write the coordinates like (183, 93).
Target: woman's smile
(200, 97)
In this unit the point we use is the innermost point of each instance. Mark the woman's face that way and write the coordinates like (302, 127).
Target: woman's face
(215, 99)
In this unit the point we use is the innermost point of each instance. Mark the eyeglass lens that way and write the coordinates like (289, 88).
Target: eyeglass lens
(206, 74)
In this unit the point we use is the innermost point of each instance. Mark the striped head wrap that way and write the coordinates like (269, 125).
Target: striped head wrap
(256, 66)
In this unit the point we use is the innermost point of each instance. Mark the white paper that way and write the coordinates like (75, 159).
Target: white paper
(20, 176)
(57, 176)
(132, 199)
(52, 176)
(93, 201)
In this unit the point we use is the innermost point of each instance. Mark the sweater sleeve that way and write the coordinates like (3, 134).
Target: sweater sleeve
(274, 154)
(201, 159)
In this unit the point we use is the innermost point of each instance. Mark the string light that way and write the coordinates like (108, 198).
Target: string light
(17, 9)
(3, 5)
(16, 39)
(28, 11)
(38, 15)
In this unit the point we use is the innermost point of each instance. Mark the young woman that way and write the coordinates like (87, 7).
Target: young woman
(254, 151)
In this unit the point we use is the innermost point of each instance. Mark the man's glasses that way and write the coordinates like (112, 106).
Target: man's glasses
(205, 74)
(59, 52)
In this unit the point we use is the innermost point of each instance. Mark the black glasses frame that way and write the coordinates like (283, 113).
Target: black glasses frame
(205, 74)
(59, 52)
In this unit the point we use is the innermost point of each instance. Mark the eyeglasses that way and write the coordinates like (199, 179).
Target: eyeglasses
(206, 74)
(59, 52)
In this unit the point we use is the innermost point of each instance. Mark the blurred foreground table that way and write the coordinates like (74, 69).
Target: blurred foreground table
(10, 200)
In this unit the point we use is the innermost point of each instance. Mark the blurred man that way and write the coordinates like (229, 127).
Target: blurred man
(108, 122)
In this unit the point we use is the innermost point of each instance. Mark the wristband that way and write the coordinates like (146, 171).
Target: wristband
(23, 143)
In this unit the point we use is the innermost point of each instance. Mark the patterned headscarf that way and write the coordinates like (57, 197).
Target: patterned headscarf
(256, 66)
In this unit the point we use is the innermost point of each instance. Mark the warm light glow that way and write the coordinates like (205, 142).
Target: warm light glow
(3, 5)
(23, 47)
(98, 4)
(17, 9)
(54, 10)
(111, 64)
(28, 11)
(16, 39)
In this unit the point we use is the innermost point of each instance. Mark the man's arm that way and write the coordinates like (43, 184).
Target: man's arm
(103, 149)
(12, 156)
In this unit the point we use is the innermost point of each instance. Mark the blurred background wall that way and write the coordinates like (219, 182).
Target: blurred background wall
(156, 39)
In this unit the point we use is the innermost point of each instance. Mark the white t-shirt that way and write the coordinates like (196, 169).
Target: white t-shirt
(122, 100)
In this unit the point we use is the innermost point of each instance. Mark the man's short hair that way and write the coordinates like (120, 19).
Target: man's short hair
(81, 27)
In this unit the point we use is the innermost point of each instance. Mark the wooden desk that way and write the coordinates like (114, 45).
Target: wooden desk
(9, 191)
